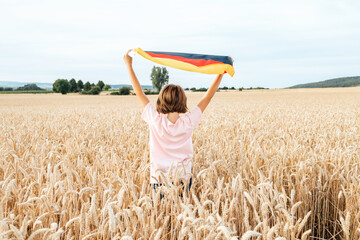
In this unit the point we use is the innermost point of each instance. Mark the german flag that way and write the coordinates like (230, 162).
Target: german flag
(210, 64)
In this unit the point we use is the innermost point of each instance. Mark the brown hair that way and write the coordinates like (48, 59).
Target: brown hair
(171, 98)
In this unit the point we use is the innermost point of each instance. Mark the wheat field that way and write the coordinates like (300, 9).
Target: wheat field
(272, 164)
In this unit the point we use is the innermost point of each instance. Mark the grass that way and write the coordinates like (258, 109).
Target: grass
(27, 92)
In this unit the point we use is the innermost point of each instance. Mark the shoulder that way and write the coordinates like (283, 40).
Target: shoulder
(195, 111)
(149, 113)
(194, 116)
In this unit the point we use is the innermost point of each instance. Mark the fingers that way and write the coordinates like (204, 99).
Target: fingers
(127, 53)
(128, 57)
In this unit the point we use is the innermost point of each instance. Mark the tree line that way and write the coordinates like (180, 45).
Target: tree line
(159, 77)
(65, 86)
(224, 88)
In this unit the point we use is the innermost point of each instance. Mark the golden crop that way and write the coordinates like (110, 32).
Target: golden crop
(275, 164)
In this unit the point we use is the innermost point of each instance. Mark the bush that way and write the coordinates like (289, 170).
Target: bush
(1, 89)
(122, 91)
(198, 90)
(202, 90)
(94, 90)
(186, 89)
(260, 88)
(151, 92)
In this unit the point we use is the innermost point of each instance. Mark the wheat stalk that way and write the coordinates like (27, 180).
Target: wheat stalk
(79, 165)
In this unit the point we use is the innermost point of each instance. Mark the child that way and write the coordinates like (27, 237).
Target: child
(170, 133)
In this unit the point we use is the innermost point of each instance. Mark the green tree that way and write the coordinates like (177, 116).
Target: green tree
(73, 85)
(62, 86)
(159, 77)
(106, 87)
(93, 84)
(80, 85)
(101, 84)
(87, 86)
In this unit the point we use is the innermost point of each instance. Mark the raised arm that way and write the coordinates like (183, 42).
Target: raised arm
(210, 93)
(144, 100)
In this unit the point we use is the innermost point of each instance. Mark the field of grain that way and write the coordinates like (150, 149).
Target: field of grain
(276, 164)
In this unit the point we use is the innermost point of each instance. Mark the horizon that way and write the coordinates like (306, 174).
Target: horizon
(129, 84)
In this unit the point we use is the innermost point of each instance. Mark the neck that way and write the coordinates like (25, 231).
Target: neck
(173, 116)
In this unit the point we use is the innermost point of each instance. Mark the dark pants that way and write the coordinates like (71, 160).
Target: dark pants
(155, 185)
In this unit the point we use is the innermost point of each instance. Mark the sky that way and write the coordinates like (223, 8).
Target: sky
(274, 44)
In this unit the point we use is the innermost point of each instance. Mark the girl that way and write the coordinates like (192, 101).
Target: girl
(170, 133)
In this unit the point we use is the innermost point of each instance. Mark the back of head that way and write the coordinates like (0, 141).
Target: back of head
(171, 98)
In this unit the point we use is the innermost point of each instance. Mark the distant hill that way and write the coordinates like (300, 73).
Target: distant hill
(48, 86)
(336, 82)
(128, 85)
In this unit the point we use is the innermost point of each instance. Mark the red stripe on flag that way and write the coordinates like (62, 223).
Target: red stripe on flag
(196, 62)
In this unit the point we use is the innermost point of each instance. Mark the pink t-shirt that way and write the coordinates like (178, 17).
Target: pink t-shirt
(170, 143)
